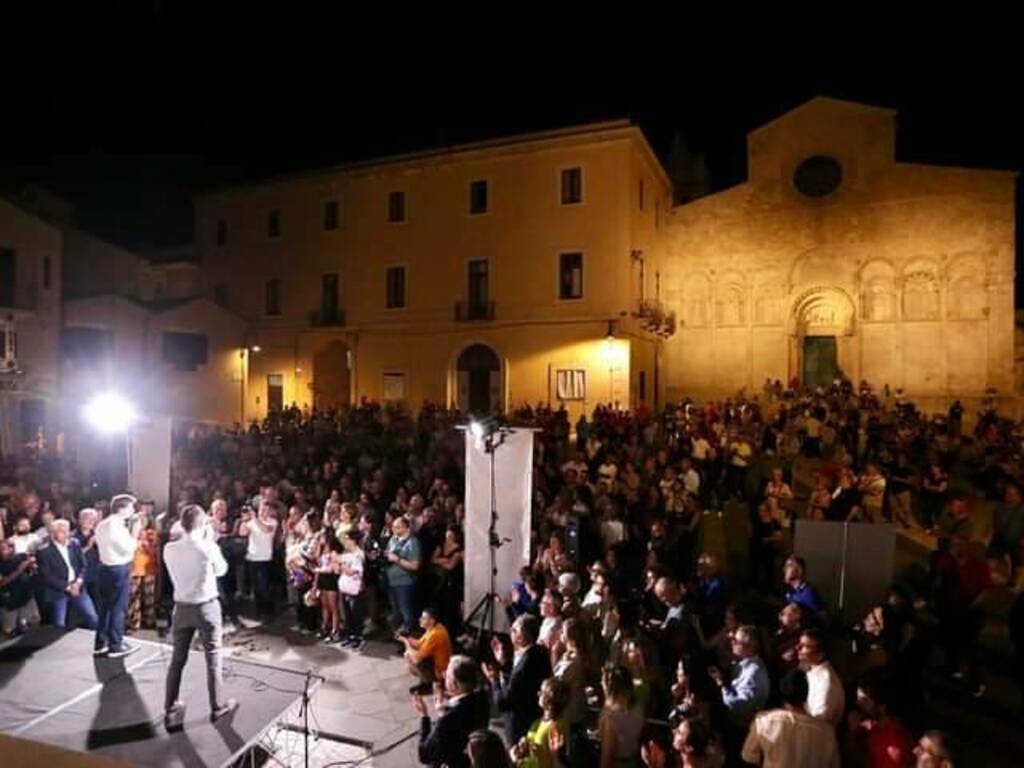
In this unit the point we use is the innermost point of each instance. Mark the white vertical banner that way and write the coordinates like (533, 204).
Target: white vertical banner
(513, 484)
(149, 460)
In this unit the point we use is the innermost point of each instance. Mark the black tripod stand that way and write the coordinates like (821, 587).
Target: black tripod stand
(493, 436)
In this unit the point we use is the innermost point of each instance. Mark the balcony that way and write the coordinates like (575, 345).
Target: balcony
(321, 318)
(655, 318)
(474, 311)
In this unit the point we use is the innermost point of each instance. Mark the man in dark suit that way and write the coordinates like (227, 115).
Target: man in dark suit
(515, 685)
(444, 743)
(62, 574)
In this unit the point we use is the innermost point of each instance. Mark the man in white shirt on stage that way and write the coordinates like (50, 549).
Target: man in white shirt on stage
(194, 562)
(116, 541)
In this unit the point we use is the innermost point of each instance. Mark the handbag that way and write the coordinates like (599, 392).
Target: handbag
(312, 598)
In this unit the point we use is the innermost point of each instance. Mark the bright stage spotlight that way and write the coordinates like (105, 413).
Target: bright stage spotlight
(110, 413)
(476, 428)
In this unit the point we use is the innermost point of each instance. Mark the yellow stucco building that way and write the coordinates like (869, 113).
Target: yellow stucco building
(484, 276)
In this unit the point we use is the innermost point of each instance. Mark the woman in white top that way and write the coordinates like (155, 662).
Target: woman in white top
(259, 553)
(353, 599)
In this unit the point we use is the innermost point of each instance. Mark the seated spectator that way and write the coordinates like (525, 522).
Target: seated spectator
(62, 580)
(789, 737)
(487, 750)
(428, 655)
(784, 655)
(935, 750)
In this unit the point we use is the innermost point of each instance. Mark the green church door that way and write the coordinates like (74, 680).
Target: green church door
(820, 367)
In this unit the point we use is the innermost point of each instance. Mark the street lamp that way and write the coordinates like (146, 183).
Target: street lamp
(110, 413)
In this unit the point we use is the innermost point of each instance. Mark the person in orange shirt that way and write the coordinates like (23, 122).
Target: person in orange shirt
(428, 656)
(145, 566)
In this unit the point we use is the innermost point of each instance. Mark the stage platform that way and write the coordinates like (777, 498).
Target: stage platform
(53, 691)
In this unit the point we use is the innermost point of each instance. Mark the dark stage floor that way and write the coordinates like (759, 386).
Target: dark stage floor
(52, 690)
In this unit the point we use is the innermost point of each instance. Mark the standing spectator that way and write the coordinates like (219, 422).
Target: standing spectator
(353, 599)
(515, 681)
(872, 490)
(447, 741)
(621, 722)
(1008, 527)
(789, 737)
(327, 573)
(934, 486)
(403, 558)
(145, 566)
(747, 687)
(260, 531)
(901, 483)
(825, 695)
(534, 750)
(798, 590)
(116, 540)
(85, 535)
(62, 570)
(877, 738)
(17, 605)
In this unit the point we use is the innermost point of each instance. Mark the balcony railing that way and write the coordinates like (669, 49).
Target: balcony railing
(473, 311)
(320, 318)
(655, 318)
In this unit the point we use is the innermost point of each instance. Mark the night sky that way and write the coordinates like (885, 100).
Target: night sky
(129, 156)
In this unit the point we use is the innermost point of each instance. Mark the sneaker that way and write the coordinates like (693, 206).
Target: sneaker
(174, 718)
(124, 650)
(226, 708)
(357, 644)
(101, 651)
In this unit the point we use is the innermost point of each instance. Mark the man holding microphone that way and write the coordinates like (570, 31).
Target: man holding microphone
(116, 540)
(194, 563)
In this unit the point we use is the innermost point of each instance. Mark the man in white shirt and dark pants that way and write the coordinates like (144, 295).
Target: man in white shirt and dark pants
(194, 563)
(116, 541)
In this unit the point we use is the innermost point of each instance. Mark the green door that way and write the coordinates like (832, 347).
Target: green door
(819, 360)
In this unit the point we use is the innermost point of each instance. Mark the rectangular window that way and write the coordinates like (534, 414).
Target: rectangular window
(478, 196)
(220, 294)
(643, 386)
(478, 294)
(7, 277)
(272, 300)
(396, 207)
(185, 351)
(570, 276)
(395, 279)
(572, 186)
(275, 392)
(641, 194)
(222, 231)
(47, 272)
(393, 387)
(274, 224)
(329, 298)
(571, 384)
(331, 214)
(86, 347)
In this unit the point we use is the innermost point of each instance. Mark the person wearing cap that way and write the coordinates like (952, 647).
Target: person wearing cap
(194, 563)
(116, 541)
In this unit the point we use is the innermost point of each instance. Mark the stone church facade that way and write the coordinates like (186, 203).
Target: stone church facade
(834, 257)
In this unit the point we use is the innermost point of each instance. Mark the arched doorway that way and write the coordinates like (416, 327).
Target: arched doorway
(821, 325)
(331, 376)
(479, 380)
